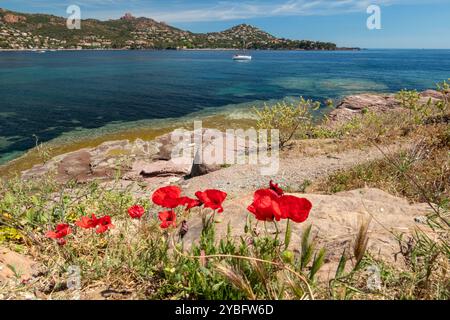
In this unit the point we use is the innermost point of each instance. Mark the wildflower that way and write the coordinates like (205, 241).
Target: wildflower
(276, 188)
(136, 212)
(104, 224)
(167, 197)
(61, 231)
(212, 199)
(294, 208)
(168, 218)
(189, 203)
(87, 223)
(265, 205)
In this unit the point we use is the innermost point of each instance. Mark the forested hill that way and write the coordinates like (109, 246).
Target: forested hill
(42, 31)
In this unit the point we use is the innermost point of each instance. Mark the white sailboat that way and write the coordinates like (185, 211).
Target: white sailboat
(242, 56)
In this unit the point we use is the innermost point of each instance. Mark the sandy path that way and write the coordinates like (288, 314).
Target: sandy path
(293, 171)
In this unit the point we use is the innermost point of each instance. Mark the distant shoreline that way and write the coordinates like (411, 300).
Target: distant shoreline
(198, 49)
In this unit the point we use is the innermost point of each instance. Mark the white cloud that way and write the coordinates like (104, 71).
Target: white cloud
(214, 10)
(232, 10)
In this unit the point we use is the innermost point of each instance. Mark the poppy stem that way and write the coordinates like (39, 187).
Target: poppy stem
(277, 231)
(288, 234)
(203, 218)
(283, 266)
(212, 218)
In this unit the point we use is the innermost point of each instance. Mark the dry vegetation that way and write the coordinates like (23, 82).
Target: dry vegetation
(139, 260)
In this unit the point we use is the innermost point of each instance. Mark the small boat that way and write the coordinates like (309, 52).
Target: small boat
(241, 57)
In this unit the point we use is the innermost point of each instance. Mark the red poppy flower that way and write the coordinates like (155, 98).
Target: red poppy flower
(212, 199)
(136, 212)
(189, 203)
(60, 232)
(168, 218)
(265, 205)
(104, 224)
(87, 223)
(294, 208)
(274, 187)
(167, 197)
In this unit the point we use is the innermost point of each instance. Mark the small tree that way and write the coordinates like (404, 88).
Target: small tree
(289, 118)
(444, 105)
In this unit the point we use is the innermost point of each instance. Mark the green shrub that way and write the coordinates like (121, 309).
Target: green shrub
(291, 119)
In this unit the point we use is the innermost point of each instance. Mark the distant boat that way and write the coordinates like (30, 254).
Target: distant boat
(241, 57)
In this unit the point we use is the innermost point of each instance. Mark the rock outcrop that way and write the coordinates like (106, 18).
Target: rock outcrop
(356, 105)
(166, 159)
(12, 18)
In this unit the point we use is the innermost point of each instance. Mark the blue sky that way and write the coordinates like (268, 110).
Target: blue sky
(405, 23)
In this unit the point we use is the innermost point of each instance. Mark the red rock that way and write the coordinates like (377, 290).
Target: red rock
(12, 18)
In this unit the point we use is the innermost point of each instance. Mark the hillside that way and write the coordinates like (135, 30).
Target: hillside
(40, 31)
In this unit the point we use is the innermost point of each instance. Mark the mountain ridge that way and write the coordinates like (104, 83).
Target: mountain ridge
(25, 31)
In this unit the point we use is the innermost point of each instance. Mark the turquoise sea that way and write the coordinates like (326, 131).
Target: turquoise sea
(56, 94)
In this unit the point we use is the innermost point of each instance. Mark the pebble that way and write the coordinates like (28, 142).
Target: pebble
(421, 220)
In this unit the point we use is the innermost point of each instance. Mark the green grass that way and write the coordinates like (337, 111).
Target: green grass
(141, 258)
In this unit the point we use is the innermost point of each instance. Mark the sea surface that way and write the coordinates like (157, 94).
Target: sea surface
(55, 94)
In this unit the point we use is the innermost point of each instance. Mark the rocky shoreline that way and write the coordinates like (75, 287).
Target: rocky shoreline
(151, 162)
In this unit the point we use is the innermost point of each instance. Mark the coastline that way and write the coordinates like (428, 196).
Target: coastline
(235, 116)
(146, 131)
(222, 118)
(178, 49)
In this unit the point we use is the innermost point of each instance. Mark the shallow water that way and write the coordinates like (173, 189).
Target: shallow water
(89, 93)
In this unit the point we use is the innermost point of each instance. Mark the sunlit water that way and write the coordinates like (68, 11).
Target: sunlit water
(83, 93)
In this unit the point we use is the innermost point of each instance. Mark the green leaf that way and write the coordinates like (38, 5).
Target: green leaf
(307, 248)
(217, 286)
(341, 267)
(319, 259)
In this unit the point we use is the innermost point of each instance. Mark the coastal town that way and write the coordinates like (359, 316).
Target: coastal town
(41, 32)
